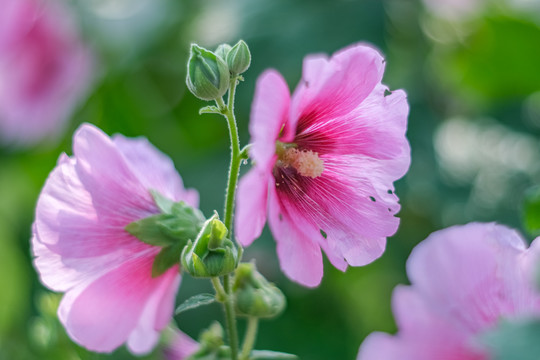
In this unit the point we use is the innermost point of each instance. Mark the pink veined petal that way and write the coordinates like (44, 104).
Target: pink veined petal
(336, 87)
(356, 226)
(104, 171)
(251, 204)
(101, 315)
(299, 255)
(62, 274)
(375, 129)
(157, 313)
(268, 116)
(66, 219)
(153, 169)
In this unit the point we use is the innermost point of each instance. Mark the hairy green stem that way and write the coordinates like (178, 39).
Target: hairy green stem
(234, 169)
(221, 294)
(231, 318)
(249, 338)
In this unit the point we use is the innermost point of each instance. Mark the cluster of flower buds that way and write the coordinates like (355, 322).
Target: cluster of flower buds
(209, 74)
(212, 253)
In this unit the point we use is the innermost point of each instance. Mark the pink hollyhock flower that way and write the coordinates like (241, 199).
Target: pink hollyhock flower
(44, 70)
(82, 249)
(324, 163)
(180, 346)
(464, 280)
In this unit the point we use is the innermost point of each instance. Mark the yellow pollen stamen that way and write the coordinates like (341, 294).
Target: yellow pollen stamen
(306, 162)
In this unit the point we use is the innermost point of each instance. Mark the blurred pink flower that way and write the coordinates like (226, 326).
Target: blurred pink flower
(464, 280)
(180, 346)
(44, 70)
(82, 249)
(324, 163)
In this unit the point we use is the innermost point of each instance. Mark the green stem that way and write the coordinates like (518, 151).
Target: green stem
(231, 318)
(249, 339)
(221, 295)
(234, 167)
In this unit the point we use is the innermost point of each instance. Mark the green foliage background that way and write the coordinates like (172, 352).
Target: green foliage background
(477, 74)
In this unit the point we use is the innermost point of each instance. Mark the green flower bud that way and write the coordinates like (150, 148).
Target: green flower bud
(254, 295)
(207, 74)
(239, 58)
(211, 345)
(212, 254)
(222, 51)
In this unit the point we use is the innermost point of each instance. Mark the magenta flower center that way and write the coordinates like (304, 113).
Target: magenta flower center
(305, 162)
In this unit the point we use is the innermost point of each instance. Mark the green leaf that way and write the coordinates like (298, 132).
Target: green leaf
(211, 109)
(267, 355)
(167, 258)
(195, 301)
(531, 210)
(178, 223)
(514, 340)
(149, 231)
(164, 204)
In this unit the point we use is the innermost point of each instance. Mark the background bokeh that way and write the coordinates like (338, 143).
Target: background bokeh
(471, 72)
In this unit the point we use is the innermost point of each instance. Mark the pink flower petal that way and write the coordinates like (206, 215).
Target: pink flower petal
(68, 220)
(154, 169)
(268, 116)
(157, 313)
(336, 88)
(180, 346)
(103, 171)
(105, 313)
(460, 269)
(375, 129)
(300, 257)
(464, 280)
(251, 205)
(355, 225)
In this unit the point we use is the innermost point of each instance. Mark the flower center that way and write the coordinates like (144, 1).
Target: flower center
(306, 162)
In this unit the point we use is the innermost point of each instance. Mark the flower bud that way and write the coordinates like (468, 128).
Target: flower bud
(211, 345)
(222, 51)
(212, 254)
(207, 74)
(254, 295)
(239, 58)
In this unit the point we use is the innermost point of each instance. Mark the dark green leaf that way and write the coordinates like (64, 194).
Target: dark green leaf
(164, 204)
(167, 258)
(179, 227)
(195, 301)
(149, 231)
(531, 210)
